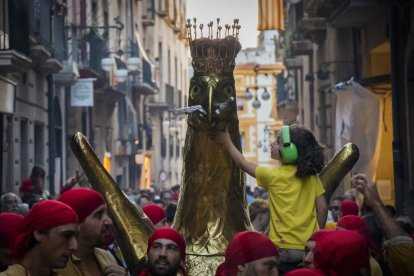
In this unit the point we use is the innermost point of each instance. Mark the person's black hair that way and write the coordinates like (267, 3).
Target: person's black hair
(159, 201)
(164, 192)
(32, 241)
(142, 196)
(175, 188)
(311, 158)
(37, 172)
(171, 210)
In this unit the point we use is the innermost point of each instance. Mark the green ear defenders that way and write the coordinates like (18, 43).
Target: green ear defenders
(288, 150)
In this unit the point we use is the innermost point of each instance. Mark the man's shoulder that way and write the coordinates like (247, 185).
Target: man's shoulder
(104, 257)
(19, 270)
(14, 270)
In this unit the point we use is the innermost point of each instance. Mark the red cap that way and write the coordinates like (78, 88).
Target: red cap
(11, 223)
(154, 212)
(349, 207)
(44, 215)
(168, 234)
(26, 185)
(246, 247)
(83, 201)
(341, 253)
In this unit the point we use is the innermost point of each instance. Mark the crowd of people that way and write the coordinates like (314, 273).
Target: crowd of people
(294, 229)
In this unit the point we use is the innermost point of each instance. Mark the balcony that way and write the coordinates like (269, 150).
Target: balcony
(148, 18)
(287, 98)
(106, 98)
(347, 13)
(162, 8)
(14, 36)
(313, 28)
(90, 54)
(68, 75)
(354, 13)
(302, 47)
(147, 85)
(293, 63)
(47, 35)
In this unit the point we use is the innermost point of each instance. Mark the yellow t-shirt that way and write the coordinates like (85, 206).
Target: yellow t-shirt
(292, 205)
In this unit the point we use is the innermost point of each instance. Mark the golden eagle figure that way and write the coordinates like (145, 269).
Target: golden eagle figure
(212, 205)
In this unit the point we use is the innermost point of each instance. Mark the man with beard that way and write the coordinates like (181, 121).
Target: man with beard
(165, 253)
(94, 231)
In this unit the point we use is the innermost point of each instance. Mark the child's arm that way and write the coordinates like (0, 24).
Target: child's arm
(321, 210)
(224, 138)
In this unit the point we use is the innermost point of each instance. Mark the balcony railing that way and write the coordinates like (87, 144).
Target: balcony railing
(88, 53)
(14, 26)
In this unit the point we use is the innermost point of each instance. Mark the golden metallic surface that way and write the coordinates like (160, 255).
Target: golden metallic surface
(215, 56)
(338, 167)
(132, 227)
(203, 265)
(212, 205)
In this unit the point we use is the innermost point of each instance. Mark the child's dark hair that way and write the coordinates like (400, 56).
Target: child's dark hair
(311, 158)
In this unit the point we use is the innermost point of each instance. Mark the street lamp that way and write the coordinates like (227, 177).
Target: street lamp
(132, 63)
(107, 64)
(256, 103)
(248, 95)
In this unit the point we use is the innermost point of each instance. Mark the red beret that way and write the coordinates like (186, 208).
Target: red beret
(246, 247)
(11, 223)
(349, 207)
(305, 272)
(341, 253)
(154, 212)
(355, 223)
(83, 201)
(319, 234)
(44, 215)
(168, 234)
(359, 225)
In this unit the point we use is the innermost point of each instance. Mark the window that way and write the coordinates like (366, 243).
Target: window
(39, 144)
(243, 140)
(24, 148)
(240, 103)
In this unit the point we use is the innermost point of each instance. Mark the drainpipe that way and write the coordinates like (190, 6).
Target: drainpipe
(51, 132)
(1, 155)
(397, 94)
